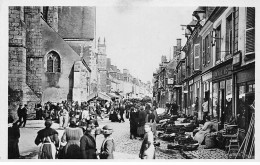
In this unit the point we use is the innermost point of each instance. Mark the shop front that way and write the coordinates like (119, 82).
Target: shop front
(196, 106)
(206, 88)
(222, 93)
(245, 96)
(185, 98)
(190, 96)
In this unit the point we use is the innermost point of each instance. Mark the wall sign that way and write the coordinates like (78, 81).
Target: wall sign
(222, 72)
(170, 81)
(191, 82)
(207, 76)
(237, 58)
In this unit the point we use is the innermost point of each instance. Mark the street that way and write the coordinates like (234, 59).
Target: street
(125, 147)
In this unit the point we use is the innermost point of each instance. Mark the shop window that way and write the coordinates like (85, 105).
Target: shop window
(228, 106)
(215, 107)
(53, 62)
(191, 95)
(246, 97)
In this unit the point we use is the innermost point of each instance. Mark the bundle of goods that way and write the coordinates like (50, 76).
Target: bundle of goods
(190, 147)
(231, 129)
(184, 139)
(164, 116)
(174, 146)
(160, 127)
(168, 137)
(210, 140)
(173, 128)
(190, 127)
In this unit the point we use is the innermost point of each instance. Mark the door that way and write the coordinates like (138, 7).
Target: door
(221, 95)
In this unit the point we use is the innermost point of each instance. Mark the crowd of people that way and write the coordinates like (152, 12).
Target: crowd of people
(81, 127)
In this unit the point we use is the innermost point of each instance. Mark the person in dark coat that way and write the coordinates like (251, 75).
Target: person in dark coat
(121, 112)
(108, 145)
(88, 144)
(13, 139)
(19, 113)
(133, 123)
(23, 115)
(48, 137)
(141, 117)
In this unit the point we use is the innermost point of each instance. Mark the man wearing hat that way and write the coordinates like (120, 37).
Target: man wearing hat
(22, 113)
(19, 113)
(108, 145)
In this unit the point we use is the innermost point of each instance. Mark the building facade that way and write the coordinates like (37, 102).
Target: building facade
(46, 51)
(219, 66)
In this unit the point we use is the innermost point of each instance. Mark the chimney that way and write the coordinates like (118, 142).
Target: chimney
(175, 52)
(178, 45)
(163, 59)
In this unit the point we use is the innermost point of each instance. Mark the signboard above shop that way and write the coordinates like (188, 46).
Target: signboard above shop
(170, 81)
(191, 82)
(222, 72)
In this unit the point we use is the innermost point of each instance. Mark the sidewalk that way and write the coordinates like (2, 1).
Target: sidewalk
(202, 153)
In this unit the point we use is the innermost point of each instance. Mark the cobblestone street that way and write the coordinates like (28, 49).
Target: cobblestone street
(125, 147)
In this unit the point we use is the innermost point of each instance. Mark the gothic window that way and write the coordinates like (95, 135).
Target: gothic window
(53, 62)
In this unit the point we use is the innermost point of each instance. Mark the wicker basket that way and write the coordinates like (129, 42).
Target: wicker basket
(210, 141)
(190, 147)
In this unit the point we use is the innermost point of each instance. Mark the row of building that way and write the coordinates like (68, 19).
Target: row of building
(53, 56)
(217, 63)
(113, 80)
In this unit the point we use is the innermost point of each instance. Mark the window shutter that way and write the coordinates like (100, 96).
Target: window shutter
(250, 30)
(197, 57)
(218, 43)
(209, 49)
(203, 52)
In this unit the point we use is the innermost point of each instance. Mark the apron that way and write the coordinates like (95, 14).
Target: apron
(47, 150)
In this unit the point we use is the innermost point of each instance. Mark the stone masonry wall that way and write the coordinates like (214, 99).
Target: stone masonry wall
(52, 19)
(34, 48)
(17, 58)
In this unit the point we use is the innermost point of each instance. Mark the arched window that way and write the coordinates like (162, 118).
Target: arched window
(53, 62)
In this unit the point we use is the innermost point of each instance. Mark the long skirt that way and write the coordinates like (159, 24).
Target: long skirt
(13, 149)
(72, 150)
(140, 130)
(47, 151)
(133, 128)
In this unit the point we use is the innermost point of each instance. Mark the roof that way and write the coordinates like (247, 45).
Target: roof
(98, 95)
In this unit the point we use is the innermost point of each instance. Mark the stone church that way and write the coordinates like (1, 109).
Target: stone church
(51, 54)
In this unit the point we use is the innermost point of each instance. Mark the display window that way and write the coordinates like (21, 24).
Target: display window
(246, 97)
(215, 108)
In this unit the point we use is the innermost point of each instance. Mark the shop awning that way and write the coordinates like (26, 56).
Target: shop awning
(113, 95)
(99, 95)
(177, 86)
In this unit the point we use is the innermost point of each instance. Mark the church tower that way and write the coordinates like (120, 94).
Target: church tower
(102, 63)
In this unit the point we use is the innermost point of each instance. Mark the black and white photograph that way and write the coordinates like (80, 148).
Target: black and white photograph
(129, 80)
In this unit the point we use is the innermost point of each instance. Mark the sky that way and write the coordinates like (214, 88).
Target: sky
(137, 36)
